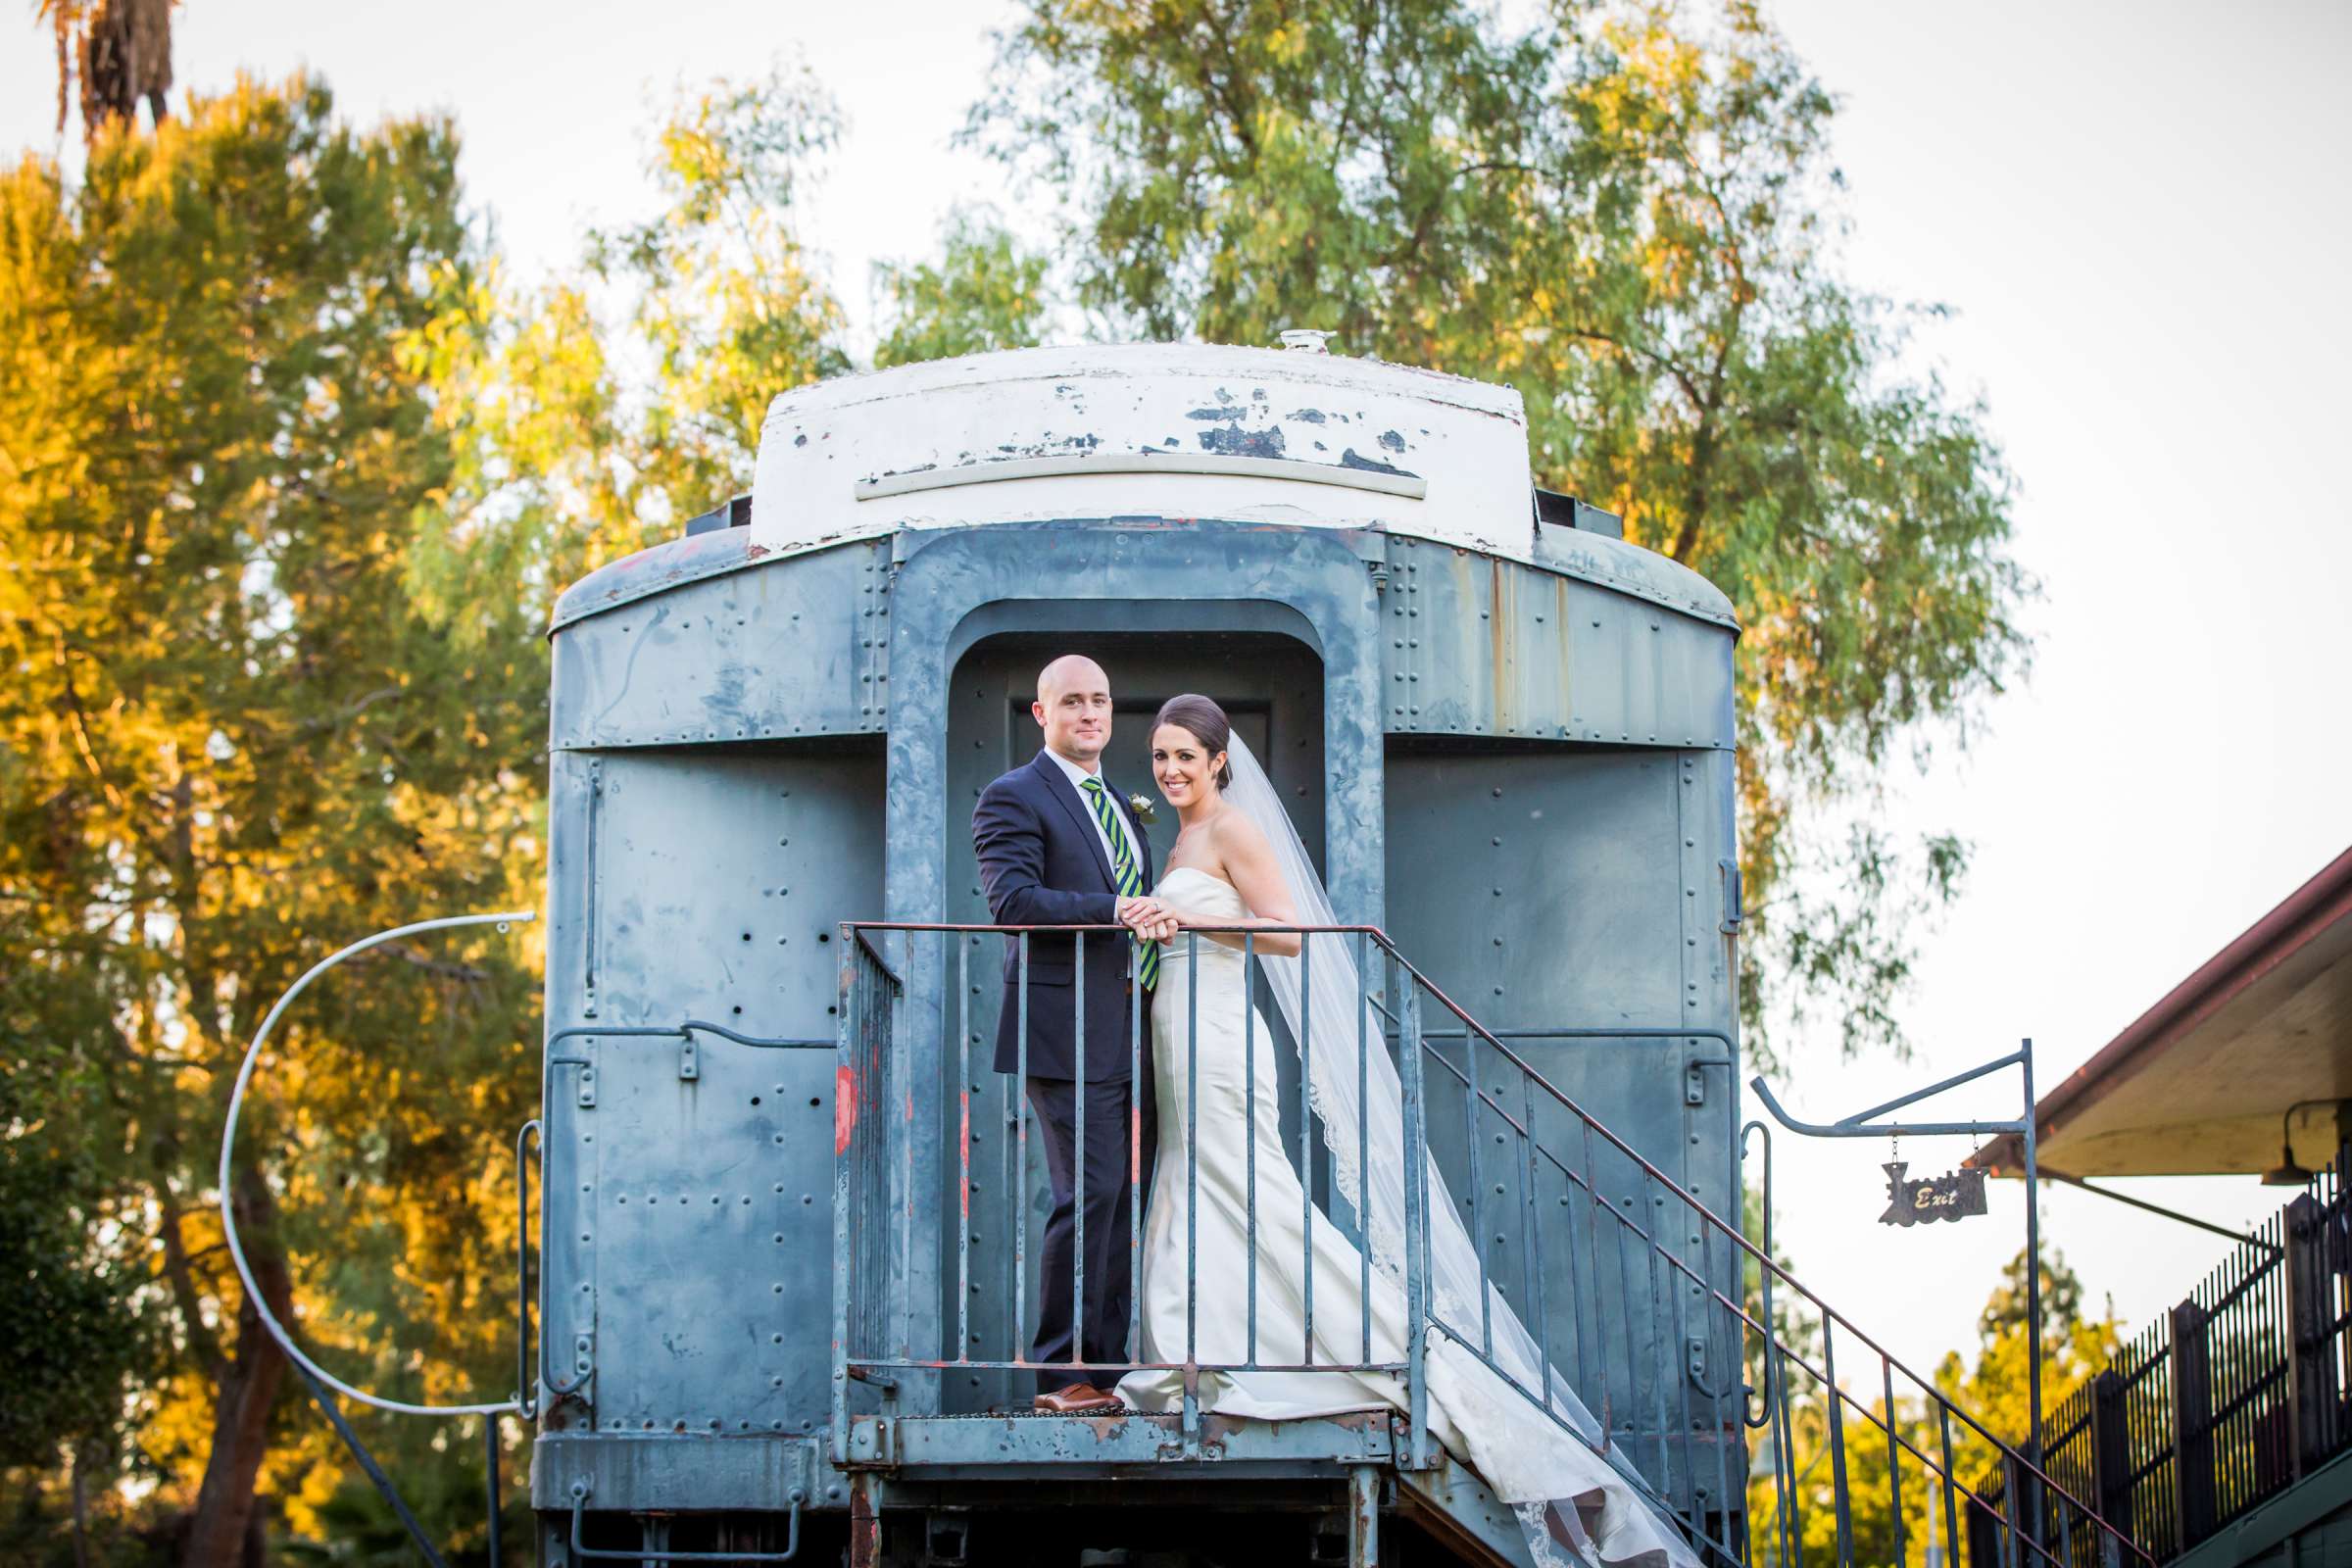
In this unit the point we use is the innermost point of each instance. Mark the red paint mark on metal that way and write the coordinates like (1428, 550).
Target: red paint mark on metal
(845, 1109)
(1134, 1147)
(963, 1142)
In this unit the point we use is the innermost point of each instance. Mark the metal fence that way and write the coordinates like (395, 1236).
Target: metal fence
(2225, 1401)
(1713, 1379)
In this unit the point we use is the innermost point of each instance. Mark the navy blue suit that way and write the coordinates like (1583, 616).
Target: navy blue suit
(1042, 863)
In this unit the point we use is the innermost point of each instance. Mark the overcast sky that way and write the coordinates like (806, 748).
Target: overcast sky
(2139, 213)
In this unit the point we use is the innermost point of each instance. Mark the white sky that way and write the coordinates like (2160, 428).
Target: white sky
(2143, 217)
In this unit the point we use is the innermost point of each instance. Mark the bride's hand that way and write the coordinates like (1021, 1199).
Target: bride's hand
(1152, 920)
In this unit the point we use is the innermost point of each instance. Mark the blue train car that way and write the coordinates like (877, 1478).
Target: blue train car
(789, 1211)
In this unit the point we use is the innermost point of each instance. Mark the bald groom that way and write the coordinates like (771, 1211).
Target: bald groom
(1059, 846)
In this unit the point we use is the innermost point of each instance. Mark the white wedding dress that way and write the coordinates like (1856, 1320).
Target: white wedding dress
(1527, 1458)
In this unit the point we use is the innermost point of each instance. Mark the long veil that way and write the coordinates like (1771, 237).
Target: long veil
(1328, 1017)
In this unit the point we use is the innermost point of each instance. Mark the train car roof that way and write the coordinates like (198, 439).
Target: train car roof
(1161, 430)
(1273, 436)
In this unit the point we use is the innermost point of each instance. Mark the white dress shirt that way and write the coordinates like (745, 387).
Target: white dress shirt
(1078, 777)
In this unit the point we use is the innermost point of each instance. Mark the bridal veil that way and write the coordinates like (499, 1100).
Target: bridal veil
(1535, 1444)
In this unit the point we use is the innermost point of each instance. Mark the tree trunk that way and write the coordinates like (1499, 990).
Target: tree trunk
(222, 1527)
(81, 1509)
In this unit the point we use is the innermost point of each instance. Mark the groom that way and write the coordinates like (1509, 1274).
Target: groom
(1059, 846)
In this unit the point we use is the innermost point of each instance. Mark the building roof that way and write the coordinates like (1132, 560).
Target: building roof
(2201, 1082)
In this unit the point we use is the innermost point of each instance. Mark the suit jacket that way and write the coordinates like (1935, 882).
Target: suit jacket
(1042, 863)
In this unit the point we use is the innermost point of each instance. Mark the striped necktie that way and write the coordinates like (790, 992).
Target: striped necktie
(1124, 874)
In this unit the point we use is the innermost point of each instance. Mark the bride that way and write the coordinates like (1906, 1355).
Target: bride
(1237, 866)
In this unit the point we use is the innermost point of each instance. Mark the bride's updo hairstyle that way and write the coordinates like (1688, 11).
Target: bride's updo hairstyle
(1208, 724)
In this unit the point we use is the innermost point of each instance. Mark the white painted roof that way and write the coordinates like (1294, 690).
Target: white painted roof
(1172, 430)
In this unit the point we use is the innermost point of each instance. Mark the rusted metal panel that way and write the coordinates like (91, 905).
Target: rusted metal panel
(639, 1473)
(786, 649)
(1479, 645)
(682, 1211)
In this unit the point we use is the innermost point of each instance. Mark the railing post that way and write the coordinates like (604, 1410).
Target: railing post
(2192, 1430)
(1985, 1532)
(2110, 1451)
(1407, 992)
(2311, 1368)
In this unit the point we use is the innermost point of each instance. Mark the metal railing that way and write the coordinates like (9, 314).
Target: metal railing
(2225, 1401)
(1715, 1381)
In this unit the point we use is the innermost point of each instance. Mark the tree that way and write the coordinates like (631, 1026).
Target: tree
(1993, 1389)
(582, 434)
(74, 1335)
(1628, 213)
(230, 743)
(984, 292)
(119, 51)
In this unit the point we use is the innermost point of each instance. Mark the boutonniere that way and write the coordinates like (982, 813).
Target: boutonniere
(1141, 806)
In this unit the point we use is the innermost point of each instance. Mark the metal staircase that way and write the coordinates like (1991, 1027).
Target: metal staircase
(1769, 1427)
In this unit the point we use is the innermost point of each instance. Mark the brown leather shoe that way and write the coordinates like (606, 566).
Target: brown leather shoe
(1079, 1399)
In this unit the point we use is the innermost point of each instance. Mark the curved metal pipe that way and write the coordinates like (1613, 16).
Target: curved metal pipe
(228, 1142)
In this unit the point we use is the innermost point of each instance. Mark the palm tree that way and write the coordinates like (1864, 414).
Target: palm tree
(120, 50)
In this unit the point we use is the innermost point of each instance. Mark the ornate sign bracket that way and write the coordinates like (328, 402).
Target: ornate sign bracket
(1949, 1196)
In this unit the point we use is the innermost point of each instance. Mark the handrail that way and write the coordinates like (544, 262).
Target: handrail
(527, 1404)
(228, 1140)
(1764, 1260)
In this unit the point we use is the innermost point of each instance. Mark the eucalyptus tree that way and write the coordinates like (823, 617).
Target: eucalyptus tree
(590, 413)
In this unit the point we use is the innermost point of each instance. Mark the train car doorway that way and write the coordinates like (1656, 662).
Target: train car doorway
(1272, 686)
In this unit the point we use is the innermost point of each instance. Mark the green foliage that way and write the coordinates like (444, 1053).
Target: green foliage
(74, 1334)
(1628, 213)
(726, 298)
(984, 292)
(230, 743)
(589, 416)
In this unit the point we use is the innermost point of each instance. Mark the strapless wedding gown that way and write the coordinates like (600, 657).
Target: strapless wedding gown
(1526, 1457)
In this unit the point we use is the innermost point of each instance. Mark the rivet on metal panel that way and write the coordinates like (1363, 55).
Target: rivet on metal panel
(687, 1068)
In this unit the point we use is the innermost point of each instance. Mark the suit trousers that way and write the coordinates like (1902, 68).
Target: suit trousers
(1098, 1328)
